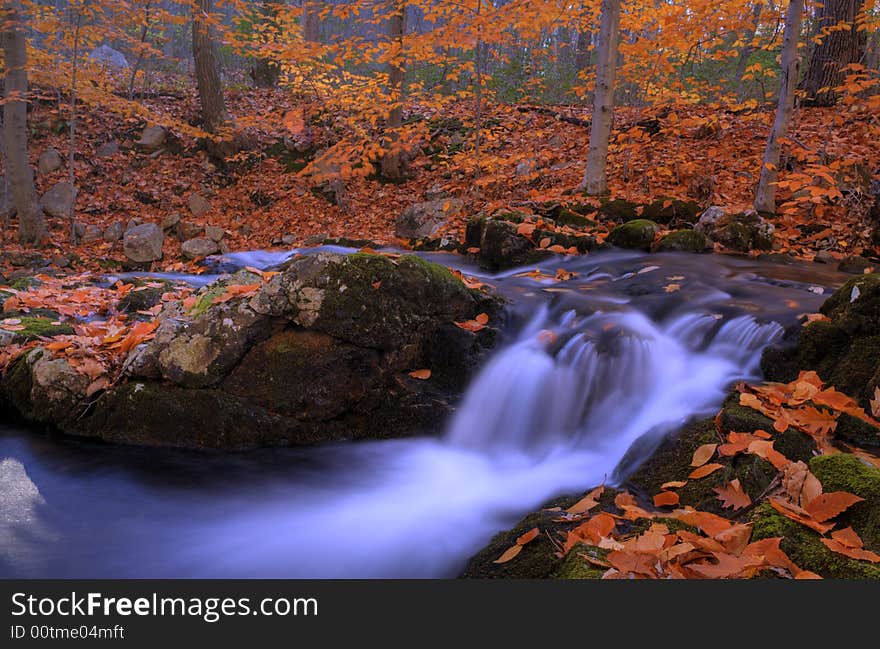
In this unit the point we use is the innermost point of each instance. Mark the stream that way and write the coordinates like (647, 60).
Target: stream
(591, 374)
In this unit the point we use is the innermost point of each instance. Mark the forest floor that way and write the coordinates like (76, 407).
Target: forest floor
(707, 153)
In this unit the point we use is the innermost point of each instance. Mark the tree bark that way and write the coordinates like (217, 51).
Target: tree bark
(311, 21)
(747, 49)
(837, 49)
(595, 180)
(392, 164)
(20, 176)
(765, 195)
(207, 67)
(266, 70)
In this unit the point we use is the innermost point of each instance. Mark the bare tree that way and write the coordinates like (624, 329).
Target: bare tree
(207, 68)
(842, 42)
(20, 176)
(765, 195)
(392, 163)
(595, 180)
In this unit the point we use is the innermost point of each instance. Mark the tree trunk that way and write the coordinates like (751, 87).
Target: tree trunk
(837, 49)
(595, 180)
(747, 49)
(207, 66)
(20, 176)
(765, 195)
(392, 164)
(311, 21)
(266, 71)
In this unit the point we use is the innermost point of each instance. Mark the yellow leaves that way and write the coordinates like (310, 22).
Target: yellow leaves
(703, 454)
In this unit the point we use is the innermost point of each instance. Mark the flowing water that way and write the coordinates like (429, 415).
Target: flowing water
(595, 371)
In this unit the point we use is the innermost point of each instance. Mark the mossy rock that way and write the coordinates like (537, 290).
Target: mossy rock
(668, 210)
(684, 241)
(38, 323)
(575, 566)
(583, 243)
(565, 216)
(143, 297)
(346, 242)
(803, 547)
(845, 472)
(857, 431)
(637, 234)
(618, 209)
(792, 443)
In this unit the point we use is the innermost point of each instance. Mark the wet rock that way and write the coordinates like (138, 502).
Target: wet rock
(58, 201)
(50, 160)
(288, 239)
(672, 210)
(424, 219)
(845, 350)
(198, 205)
(109, 57)
(618, 209)
(500, 245)
(638, 234)
(316, 239)
(198, 248)
(684, 241)
(107, 149)
(856, 265)
(824, 257)
(143, 243)
(741, 232)
(152, 138)
(113, 232)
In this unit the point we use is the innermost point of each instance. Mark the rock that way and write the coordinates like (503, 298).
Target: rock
(198, 204)
(741, 232)
(198, 248)
(844, 350)
(524, 168)
(824, 257)
(424, 219)
(214, 233)
(113, 232)
(288, 239)
(501, 247)
(108, 57)
(185, 230)
(50, 160)
(684, 241)
(133, 223)
(856, 265)
(637, 234)
(107, 149)
(672, 210)
(618, 209)
(59, 200)
(170, 221)
(61, 261)
(316, 239)
(143, 243)
(152, 138)
(92, 233)
(436, 192)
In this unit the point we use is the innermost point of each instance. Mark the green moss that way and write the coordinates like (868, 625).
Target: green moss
(24, 283)
(39, 323)
(857, 431)
(845, 472)
(575, 566)
(684, 241)
(803, 547)
(665, 210)
(206, 299)
(637, 234)
(565, 216)
(619, 209)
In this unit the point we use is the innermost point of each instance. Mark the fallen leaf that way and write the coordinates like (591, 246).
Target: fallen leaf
(588, 502)
(704, 470)
(798, 515)
(829, 505)
(703, 454)
(853, 553)
(674, 484)
(529, 536)
(732, 495)
(764, 449)
(666, 499)
(421, 374)
(509, 554)
(847, 537)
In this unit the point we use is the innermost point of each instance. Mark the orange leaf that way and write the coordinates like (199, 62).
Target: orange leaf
(847, 537)
(531, 535)
(666, 499)
(704, 470)
(421, 374)
(795, 513)
(703, 454)
(587, 503)
(852, 553)
(826, 506)
(674, 484)
(732, 495)
(764, 449)
(509, 554)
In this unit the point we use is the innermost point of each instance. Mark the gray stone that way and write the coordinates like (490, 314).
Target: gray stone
(108, 57)
(152, 138)
(198, 248)
(171, 221)
(857, 265)
(186, 230)
(143, 243)
(524, 168)
(198, 204)
(288, 240)
(59, 200)
(107, 150)
(214, 233)
(424, 219)
(741, 232)
(133, 223)
(92, 233)
(50, 160)
(114, 232)
(316, 239)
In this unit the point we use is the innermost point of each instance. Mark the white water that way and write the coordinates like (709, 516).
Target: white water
(550, 413)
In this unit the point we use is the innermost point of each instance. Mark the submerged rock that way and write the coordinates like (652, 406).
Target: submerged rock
(321, 351)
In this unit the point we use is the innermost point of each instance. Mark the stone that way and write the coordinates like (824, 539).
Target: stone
(108, 57)
(107, 149)
(316, 239)
(214, 233)
(50, 160)
(186, 230)
(857, 265)
(422, 220)
(59, 200)
(152, 138)
(113, 232)
(684, 241)
(170, 221)
(143, 243)
(133, 223)
(741, 232)
(637, 234)
(524, 168)
(198, 248)
(288, 239)
(824, 257)
(92, 233)
(198, 204)
(61, 261)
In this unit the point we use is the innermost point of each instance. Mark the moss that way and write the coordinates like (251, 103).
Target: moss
(575, 566)
(845, 472)
(666, 210)
(143, 297)
(619, 209)
(565, 216)
(804, 548)
(863, 306)
(39, 323)
(24, 283)
(206, 299)
(684, 241)
(637, 234)
(857, 431)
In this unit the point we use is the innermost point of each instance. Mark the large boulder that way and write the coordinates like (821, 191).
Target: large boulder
(142, 244)
(684, 241)
(58, 201)
(152, 138)
(199, 247)
(424, 219)
(322, 351)
(638, 234)
(108, 57)
(844, 349)
(741, 232)
(502, 244)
